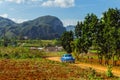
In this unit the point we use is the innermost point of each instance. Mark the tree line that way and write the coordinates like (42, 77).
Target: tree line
(103, 34)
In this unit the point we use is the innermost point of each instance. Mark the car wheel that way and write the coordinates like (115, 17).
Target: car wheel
(73, 61)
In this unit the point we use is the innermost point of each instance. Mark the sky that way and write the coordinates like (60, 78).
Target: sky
(68, 11)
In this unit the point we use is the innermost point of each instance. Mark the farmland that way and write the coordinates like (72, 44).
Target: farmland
(24, 64)
(31, 69)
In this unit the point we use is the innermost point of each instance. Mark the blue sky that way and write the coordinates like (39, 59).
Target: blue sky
(69, 11)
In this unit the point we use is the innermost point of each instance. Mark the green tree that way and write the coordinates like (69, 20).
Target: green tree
(111, 22)
(90, 26)
(102, 34)
(85, 32)
(66, 39)
(77, 47)
(107, 35)
(78, 29)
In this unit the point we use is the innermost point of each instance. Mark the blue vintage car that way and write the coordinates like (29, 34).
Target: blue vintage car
(67, 58)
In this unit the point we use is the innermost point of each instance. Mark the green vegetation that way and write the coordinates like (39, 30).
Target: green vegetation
(19, 53)
(55, 54)
(92, 74)
(93, 51)
(107, 39)
(21, 49)
(66, 39)
(102, 34)
(45, 27)
(29, 43)
(109, 71)
(21, 63)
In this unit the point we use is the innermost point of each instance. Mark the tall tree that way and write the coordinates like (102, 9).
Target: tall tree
(66, 39)
(110, 33)
(85, 32)
(103, 33)
(78, 29)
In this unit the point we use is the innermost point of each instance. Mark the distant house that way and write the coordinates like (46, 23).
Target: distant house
(53, 49)
(48, 49)
(59, 48)
(33, 48)
(40, 48)
(36, 48)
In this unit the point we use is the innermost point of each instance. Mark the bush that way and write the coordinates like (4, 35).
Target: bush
(6, 56)
(92, 74)
(109, 71)
(20, 52)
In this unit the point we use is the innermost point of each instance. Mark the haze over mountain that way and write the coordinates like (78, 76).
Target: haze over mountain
(45, 27)
(70, 28)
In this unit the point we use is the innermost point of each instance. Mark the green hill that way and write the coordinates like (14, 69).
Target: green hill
(45, 27)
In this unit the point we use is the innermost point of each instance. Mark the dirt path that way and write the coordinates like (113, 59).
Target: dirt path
(98, 68)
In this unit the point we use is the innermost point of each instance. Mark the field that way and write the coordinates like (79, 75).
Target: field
(42, 69)
(22, 63)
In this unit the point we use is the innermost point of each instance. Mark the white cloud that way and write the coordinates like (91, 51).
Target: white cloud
(1, 1)
(45, 3)
(58, 3)
(18, 20)
(15, 1)
(20, 1)
(67, 22)
(4, 15)
(36, 0)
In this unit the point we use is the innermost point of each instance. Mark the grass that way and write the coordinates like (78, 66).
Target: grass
(37, 43)
(55, 54)
(19, 53)
(93, 51)
(25, 52)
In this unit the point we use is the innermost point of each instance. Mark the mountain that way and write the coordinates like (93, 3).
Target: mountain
(45, 27)
(4, 22)
(70, 28)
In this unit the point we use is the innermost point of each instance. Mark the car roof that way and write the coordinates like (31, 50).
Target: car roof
(67, 54)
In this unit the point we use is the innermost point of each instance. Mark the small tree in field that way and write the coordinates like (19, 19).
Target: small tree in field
(66, 39)
(76, 48)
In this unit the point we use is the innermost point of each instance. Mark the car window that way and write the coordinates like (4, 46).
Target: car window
(67, 55)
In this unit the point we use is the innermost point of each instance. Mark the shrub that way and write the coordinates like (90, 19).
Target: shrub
(109, 71)
(92, 74)
(6, 56)
(20, 52)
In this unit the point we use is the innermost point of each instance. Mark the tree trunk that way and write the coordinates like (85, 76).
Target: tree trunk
(100, 59)
(106, 60)
(113, 62)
